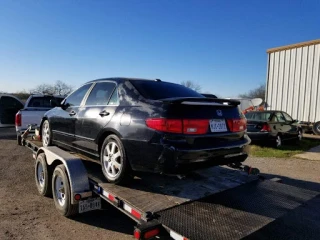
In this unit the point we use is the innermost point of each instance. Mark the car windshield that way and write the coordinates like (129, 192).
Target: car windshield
(159, 90)
(258, 116)
(43, 102)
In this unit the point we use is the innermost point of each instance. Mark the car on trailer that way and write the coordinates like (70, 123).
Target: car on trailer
(138, 125)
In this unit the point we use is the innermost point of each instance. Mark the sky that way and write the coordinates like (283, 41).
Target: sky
(220, 45)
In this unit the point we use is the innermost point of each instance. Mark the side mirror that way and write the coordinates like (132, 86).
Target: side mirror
(295, 121)
(64, 105)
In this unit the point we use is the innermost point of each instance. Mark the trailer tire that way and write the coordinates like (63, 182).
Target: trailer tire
(115, 169)
(46, 134)
(43, 176)
(316, 128)
(62, 193)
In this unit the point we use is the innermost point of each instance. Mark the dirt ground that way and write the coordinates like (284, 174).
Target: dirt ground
(24, 214)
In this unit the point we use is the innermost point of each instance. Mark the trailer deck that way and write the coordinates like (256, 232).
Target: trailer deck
(215, 203)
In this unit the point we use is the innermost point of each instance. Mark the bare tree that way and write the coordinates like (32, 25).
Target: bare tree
(258, 92)
(189, 84)
(62, 88)
(59, 88)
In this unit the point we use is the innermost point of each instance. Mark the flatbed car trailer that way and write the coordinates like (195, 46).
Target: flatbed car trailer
(215, 203)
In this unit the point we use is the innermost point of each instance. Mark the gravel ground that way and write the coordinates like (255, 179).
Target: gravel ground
(26, 215)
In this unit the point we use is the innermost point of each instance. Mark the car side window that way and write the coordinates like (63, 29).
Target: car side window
(10, 102)
(76, 97)
(114, 100)
(100, 94)
(280, 117)
(287, 117)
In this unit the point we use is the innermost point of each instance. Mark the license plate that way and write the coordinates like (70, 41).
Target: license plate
(89, 205)
(218, 125)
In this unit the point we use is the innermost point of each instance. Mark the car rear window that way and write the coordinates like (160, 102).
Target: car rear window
(42, 102)
(258, 116)
(159, 90)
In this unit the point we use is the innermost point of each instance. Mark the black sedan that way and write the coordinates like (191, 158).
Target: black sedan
(272, 127)
(146, 125)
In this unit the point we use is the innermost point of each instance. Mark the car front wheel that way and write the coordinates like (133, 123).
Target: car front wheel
(115, 166)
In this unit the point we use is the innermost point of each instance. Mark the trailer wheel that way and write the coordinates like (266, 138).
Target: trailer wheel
(316, 128)
(115, 166)
(46, 134)
(62, 193)
(43, 176)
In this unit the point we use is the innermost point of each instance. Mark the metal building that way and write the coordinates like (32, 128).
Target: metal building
(293, 80)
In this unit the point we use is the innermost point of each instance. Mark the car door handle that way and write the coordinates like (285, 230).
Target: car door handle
(72, 113)
(104, 113)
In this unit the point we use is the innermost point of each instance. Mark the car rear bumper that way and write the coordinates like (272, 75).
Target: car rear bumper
(168, 158)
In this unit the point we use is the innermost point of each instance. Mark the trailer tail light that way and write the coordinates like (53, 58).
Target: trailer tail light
(265, 128)
(151, 233)
(237, 125)
(77, 197)
(138, 234)
(18, 119)
(185, 126)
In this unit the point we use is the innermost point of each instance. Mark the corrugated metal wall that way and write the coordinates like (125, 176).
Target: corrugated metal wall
(293, 82)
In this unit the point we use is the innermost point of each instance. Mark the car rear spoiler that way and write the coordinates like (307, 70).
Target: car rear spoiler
(205, 101)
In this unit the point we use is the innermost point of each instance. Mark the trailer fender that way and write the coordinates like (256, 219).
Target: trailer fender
(77, 174)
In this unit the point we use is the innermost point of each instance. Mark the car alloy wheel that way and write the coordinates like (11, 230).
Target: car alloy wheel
(278, 141)
(112, 160)
(46, 134)
(299, 135)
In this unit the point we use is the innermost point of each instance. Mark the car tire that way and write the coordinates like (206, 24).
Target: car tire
(115, 165)
(46, 134)
(278, 141)
(62, 193)
(316, 128)
(19, 139)
(43, 176)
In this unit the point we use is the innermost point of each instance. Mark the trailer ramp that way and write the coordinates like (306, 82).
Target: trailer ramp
(257, 210)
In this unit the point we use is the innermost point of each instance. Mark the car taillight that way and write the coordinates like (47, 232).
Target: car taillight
(18, 119)
(237, 125)
(195, 126)
(265, 128)
(165, 125)
(186, 126)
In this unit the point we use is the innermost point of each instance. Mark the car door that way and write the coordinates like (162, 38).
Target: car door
(63, 120)
(9, 106)
(283, 127)
(96, 113)
(291, 127)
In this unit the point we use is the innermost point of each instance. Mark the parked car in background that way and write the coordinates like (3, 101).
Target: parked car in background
(273, 127)
(146, 125)
(32, 113)
(9, 106)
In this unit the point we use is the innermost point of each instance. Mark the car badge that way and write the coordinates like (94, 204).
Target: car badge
(219, 113)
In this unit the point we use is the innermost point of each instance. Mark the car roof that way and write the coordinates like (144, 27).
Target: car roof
(122, 79)
(265, 111)
(46, 95)
(10, 95)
